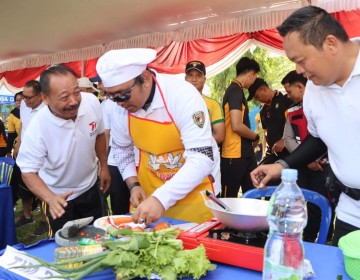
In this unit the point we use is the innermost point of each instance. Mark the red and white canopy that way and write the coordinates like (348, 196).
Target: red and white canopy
(39, 33)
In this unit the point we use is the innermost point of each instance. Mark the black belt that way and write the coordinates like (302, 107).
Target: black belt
(335, 187)
(353, 193)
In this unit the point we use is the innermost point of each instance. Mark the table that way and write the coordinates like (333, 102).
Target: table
(7, 220)
(327, 261)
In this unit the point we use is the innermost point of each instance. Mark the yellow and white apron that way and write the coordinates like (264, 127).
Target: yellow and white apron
(161, 156)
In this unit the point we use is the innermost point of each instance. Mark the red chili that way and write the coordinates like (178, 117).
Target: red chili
(82, 233)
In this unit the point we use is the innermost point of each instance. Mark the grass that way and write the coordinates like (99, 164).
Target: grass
(24, 233)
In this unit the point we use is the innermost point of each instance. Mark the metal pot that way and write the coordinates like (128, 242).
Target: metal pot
(247, 214)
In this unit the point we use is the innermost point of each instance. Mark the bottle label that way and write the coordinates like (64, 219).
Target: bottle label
(279, 272)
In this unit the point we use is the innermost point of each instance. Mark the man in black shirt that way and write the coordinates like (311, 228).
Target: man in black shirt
(237, 154)
(273, 117)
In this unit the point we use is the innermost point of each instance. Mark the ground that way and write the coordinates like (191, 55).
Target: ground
(24, 233)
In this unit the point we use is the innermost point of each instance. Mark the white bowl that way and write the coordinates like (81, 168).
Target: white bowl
(247, 214)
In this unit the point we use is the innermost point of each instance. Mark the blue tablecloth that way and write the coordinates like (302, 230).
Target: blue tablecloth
(327, 262)
(7, 223)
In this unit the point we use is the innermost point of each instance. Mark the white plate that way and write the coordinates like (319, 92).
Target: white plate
(103, 222)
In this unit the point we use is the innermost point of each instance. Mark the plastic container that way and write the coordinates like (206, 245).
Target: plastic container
(71, 252)
(350, 246)
(287, 217)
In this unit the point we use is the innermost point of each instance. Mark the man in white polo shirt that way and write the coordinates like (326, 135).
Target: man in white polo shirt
(29, 107)
(322, 52)
(58, 158)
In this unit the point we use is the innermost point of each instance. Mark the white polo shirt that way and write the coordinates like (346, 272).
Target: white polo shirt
(26, 114)
(182, 101)
(333, 115)
(63, 151)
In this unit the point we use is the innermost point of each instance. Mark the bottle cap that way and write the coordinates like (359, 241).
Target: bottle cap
(289, 174)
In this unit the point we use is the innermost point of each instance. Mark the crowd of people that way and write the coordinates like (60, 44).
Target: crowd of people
(155, 142)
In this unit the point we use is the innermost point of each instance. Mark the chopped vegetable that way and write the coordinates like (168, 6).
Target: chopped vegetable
(162, 225)
(122, 220)
(137, 229)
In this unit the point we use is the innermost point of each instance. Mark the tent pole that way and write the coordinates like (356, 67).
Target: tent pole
(82, 68)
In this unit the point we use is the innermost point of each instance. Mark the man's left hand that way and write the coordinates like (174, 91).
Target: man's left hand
(315, 166)
(278, 147)
(105, 179)
(148, 211)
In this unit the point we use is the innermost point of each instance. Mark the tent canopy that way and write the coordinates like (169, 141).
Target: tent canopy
(46, 28)
(39, 33)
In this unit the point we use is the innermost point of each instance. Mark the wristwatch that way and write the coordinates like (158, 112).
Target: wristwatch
(133, 185)
(256, 138)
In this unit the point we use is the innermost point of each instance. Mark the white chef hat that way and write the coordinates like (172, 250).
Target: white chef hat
(119, 66)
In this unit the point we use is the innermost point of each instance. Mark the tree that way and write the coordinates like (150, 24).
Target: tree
(272, 70)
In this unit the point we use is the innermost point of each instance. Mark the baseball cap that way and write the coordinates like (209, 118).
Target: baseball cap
(86, 83)
(195, 65)
(95, 79)
(254, 87)
(120, 66)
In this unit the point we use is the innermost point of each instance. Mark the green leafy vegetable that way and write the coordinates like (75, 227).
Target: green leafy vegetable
(139, 254)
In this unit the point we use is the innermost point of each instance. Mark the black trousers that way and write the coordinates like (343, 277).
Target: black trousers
(86, 205)
(119, 192)
(235, 172)
(342, 229)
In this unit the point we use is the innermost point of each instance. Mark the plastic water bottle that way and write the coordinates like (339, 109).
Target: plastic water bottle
(287, 217)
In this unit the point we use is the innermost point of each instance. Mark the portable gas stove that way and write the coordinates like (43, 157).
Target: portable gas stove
(225, 245)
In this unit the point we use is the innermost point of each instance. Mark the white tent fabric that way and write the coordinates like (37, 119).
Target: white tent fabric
(6, 96)
(48, 32)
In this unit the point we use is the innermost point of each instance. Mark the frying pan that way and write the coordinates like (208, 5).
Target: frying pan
(247, 214)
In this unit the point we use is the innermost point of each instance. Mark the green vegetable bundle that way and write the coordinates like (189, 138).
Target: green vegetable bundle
(141, 255)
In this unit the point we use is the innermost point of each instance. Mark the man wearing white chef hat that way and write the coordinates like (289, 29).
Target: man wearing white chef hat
(167, 120)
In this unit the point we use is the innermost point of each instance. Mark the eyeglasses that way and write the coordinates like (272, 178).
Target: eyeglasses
(125, 96)
(27, 98)
(18, 100)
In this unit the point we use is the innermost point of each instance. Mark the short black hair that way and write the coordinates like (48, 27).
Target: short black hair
(314, 25)
(293, 77)
(59, 69)
(17, 94)
(286, 78)
(35, 85)
(246, 64)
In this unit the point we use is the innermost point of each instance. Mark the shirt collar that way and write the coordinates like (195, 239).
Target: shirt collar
(42, 104)
(157, 101)
(356, 70)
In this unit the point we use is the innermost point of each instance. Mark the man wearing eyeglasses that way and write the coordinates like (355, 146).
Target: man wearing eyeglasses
(31, 104)
(167, 120)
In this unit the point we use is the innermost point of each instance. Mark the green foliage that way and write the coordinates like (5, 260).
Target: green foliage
(272, 70)
(5, 111)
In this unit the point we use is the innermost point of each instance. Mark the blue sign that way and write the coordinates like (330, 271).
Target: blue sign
(7, 99)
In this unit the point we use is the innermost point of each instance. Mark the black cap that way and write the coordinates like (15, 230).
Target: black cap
(95, 79)
(254, 87)
(197, 65)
